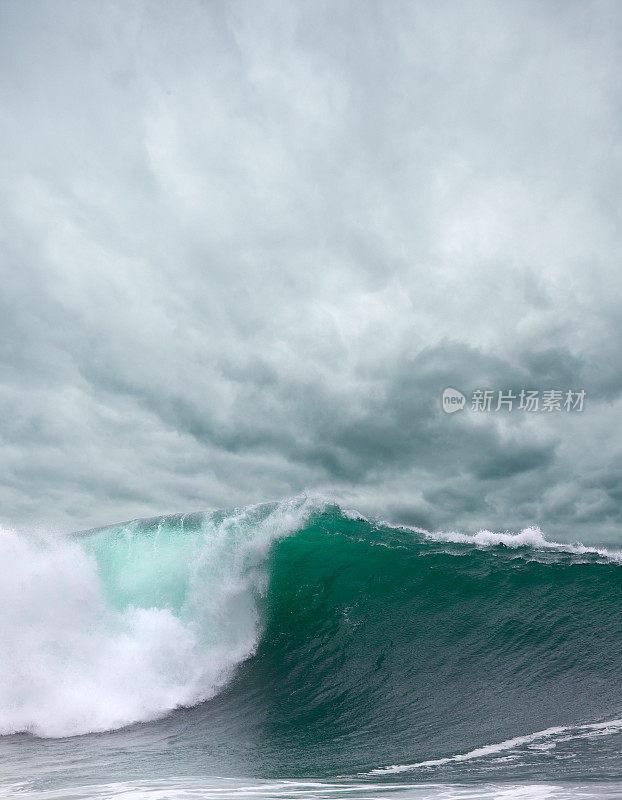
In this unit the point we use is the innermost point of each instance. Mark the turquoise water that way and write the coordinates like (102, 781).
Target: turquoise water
(293, 650)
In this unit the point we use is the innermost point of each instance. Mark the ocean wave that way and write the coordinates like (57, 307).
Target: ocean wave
(292, 610)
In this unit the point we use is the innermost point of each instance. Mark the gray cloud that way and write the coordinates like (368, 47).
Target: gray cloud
(244, 248)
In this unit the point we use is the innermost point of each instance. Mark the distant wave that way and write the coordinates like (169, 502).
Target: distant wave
(529, 537)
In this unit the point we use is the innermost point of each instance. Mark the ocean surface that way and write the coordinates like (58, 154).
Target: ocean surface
(297, 649)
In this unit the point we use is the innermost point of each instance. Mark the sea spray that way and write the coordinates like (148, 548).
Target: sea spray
(125, 623)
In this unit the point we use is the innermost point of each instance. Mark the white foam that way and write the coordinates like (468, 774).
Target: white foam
(226, 788)
(351, 513)
(571, 732)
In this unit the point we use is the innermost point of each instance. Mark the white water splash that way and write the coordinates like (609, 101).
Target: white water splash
(73, 662)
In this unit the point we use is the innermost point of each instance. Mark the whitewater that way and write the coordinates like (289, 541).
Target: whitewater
(123, 625)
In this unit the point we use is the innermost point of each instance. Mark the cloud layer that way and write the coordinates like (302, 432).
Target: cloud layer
(245, 247)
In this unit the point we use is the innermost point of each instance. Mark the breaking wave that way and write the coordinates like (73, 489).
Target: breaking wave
(313, 625)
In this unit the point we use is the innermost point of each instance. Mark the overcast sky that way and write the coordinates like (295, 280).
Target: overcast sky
(246, 245)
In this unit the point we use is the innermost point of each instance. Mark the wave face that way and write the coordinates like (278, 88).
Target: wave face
(321, 641)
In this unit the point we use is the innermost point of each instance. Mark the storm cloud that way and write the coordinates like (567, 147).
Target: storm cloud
(245, 246)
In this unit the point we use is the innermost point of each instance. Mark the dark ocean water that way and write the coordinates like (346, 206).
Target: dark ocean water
(296, 650)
